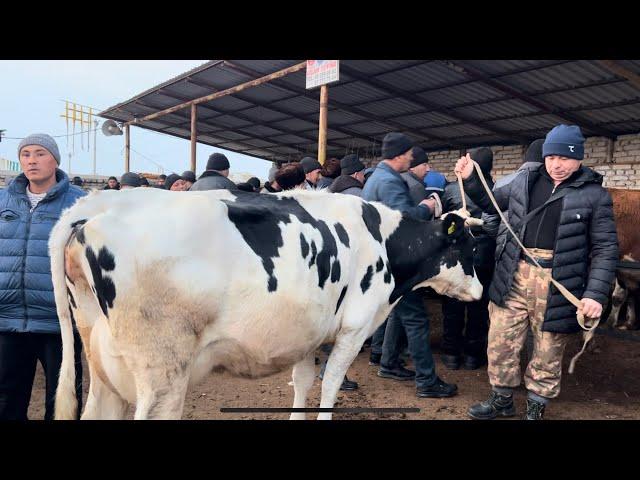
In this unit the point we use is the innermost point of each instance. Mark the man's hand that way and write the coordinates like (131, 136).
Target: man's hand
(591, 308)
(464, 166)
(430, 203)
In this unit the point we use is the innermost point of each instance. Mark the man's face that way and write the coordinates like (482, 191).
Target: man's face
(177, 186)
(186, 184)
(313, 176)
(37, 163)
(421, 170)
(112, 183)
(359, 176)
(560, 168)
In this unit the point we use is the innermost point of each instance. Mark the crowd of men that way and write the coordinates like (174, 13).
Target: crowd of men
(559, 208)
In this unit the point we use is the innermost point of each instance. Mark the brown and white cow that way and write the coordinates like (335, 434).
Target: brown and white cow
(626, 209)
(166, 286)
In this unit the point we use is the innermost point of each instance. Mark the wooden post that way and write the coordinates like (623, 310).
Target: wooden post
(322, 132)
(126, 148)
(194, 135)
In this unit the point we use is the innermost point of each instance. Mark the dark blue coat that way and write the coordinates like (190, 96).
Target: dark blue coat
(26, 291)
(385, 185)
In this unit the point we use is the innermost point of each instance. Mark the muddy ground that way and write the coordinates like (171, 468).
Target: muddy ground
(606, 385)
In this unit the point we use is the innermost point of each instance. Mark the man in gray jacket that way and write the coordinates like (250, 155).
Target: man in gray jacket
(215, 176)
(414, 177)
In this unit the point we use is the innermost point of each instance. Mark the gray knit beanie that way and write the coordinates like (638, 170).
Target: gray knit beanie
(43, 140)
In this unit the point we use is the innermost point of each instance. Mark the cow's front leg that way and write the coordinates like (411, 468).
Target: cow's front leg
(304, 373)
(344, 351)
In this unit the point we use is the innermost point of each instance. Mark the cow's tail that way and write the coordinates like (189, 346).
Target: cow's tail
(66, 404)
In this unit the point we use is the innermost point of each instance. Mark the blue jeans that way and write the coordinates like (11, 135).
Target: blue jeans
(409, 317)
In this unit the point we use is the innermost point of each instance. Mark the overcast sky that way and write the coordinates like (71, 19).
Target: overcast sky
(31, 102)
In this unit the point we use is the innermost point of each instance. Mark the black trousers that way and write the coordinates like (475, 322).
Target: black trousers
(472, 340)
(19, 353)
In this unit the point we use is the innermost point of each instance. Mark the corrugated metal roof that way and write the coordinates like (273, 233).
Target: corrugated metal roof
(441, 104)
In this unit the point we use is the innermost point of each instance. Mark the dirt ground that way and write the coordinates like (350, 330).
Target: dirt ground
(606, 385)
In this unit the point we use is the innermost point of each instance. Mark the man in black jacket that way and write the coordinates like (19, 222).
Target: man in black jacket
(564, 217)
(469, 339)
(215, 176)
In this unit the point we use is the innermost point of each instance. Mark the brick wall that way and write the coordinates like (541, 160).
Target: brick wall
(618, 161)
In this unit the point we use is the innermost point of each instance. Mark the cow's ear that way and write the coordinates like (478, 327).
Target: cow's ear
(453, 226)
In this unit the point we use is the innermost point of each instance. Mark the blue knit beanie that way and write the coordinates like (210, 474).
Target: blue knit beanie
(565, 141)
(43, 140)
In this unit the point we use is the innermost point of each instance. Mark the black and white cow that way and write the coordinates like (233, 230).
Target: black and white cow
(164, 287)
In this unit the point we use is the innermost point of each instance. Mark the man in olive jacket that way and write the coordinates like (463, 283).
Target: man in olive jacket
(564, 217)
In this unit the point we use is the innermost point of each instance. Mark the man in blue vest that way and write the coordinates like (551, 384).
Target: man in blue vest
(29, 326)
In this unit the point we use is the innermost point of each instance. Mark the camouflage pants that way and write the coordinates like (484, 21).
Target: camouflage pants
(525, 305)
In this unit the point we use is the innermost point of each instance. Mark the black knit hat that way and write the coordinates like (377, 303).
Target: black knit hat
(188, 176)
(534, 151)
(419, 157)
(170, 180)
(309, 164)
(130, 179)
(351, 164)
(255, 181)
(395, 144)
(483, 156)
(217, 161)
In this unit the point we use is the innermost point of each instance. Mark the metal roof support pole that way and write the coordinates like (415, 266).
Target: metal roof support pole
(322, 124)
(126, 148)
(194, 135)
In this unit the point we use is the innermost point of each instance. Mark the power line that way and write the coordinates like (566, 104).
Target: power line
(54, 136)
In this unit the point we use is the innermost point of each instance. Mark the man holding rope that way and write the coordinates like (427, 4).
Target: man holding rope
(563, 217)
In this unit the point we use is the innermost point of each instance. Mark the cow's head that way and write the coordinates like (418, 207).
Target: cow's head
(436, 254)
(457, 277)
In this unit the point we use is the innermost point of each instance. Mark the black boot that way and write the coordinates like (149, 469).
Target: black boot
(473, 363)
(535, 410)
(397, 373)
(439, 389)
(374, 359)
(496, 406)
(452, 362)
(348, 385)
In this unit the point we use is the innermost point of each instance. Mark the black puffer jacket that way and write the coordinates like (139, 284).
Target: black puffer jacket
(484, 244)
(586, 245)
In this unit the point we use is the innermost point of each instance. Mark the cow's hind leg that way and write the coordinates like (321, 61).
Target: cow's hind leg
(161, 399)
(102, 402)
(304, 373)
